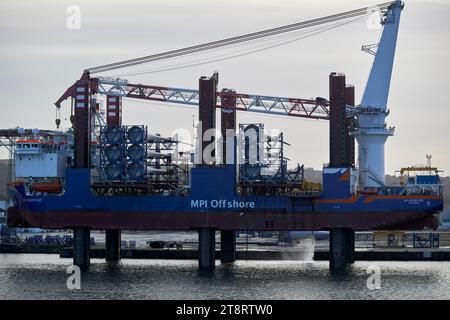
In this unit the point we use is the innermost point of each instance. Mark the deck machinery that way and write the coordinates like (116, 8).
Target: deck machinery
(132, 187)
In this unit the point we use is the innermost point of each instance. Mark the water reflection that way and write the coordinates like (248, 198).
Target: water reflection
(44, 277)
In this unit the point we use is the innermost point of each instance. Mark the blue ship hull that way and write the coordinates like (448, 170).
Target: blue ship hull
(213, 202)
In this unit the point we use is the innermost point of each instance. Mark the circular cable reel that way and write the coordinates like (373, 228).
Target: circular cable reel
(136, 170)
(114, 171)
(252, 171)
(113, 135)
(136, 152)
(136, 134)
(113, 152)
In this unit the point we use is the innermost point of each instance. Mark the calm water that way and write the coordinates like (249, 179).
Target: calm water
(30, 276)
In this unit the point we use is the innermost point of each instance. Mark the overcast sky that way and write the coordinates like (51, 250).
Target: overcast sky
(41, 57)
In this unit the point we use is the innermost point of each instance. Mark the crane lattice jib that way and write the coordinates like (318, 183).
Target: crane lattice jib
(317, 108)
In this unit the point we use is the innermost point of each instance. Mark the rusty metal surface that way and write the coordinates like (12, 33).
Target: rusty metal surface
(82, 126)
(227, 121)
(207, 108)
(349, 139)
(337, 121)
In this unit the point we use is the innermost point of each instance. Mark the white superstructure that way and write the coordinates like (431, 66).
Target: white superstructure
(40, 159)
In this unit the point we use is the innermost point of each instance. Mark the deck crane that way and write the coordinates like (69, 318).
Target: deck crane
(370, 130)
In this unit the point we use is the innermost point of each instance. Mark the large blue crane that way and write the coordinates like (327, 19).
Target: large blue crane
(371, 132)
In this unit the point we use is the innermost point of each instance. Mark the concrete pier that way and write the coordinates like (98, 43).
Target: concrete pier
(206, 248)
(227, 246)
(81, 247)
(112, 245)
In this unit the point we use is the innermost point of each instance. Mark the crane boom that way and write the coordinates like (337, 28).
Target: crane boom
(371, 132)
(317, 108)
(238, 39)
(377, 88)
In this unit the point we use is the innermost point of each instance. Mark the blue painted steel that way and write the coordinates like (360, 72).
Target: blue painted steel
(213, 190)
(334, 187)
(430, 179)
